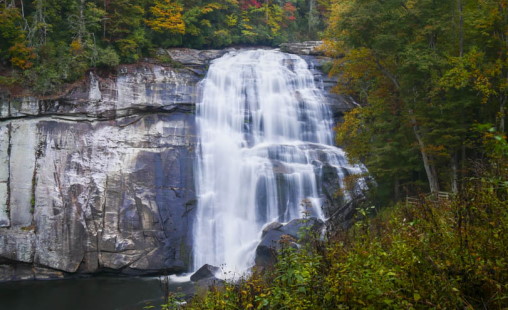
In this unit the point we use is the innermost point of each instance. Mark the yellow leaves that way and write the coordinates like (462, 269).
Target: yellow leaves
(351, 134)
(436, 150)
(167, 17)
(338, 10)
(76, 47)
(410, 4)
(211, 7)
(21, 55)
(231, 20)
(472, 70)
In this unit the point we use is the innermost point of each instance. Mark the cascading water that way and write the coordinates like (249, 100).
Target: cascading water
(264, 134)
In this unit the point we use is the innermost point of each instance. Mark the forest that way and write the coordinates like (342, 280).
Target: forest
(46, 43)
(431, 78)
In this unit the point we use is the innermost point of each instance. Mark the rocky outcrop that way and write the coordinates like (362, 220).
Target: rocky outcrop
(303, 48)
(277, 236)
(194, 58)
(101, 178)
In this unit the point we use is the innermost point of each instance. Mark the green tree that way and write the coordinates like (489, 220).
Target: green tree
(406, 59)
(126, 20)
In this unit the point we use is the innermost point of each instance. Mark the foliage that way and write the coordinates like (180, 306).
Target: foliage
(90, 33)
(423, 74)
(446, 254)
(167, 17)
(108, 57)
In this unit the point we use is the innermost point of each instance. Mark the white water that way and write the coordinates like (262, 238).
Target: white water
(264, 133)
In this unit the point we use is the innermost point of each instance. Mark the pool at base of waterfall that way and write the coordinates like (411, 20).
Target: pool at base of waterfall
(93, 293)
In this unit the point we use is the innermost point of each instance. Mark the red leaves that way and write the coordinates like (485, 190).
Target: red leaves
(247, 4)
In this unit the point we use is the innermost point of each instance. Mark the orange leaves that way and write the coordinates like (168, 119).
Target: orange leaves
(167, 17)
(21, 55)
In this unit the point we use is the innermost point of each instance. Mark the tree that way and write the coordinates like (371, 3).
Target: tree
(126, 28)
(406, 45)
(166, 17)
(13, 44)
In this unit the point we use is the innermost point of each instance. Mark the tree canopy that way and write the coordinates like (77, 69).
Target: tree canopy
(426, 74)
(46, 43)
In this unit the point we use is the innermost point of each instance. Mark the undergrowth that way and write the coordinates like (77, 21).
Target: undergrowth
(447, 254)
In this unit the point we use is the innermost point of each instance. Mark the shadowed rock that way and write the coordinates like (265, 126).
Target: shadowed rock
(276, 236)
(205, 272)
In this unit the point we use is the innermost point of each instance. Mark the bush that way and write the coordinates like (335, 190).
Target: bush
(108, 57)
(449, 254)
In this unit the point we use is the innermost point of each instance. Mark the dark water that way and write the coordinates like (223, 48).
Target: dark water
(97, 293)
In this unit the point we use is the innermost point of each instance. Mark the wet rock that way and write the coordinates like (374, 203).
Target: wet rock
(277, 235)
(266, 251)
(300, 228)
(337, 103)
(18, 272)
(271, 226)
(47, 274)
(205, 272)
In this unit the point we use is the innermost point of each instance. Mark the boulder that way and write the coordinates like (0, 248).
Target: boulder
(271, 226)
(299, 228)
(205, 272)
(277, 235)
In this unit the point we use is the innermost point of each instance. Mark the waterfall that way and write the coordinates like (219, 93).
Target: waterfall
(265, 133)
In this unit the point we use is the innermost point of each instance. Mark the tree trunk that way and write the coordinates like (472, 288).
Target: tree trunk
(461, 28)
(429, 168)
(502, 113)
(455, 177)
(396, 189)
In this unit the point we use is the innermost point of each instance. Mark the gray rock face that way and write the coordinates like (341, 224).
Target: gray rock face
(303, 48)
(337, 103)
(192, 57)
(101, 179)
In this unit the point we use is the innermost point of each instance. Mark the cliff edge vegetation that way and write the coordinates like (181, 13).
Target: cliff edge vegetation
(47, 43)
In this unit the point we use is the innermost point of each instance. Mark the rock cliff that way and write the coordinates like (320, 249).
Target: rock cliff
(101, 178)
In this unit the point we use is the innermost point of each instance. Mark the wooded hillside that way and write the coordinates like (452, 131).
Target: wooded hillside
(50, 42)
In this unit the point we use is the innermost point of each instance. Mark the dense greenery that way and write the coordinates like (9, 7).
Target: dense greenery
(429, 76)
(46, 43)
(447, 254)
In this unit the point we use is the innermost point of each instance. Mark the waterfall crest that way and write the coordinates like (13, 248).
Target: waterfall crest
(264, 135)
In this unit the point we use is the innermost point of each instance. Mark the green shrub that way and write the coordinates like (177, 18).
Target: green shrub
(108, 57)
(450, 254)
